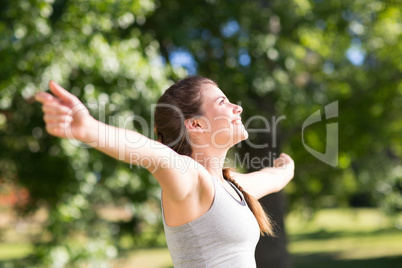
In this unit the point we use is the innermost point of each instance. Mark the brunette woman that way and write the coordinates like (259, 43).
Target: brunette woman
(211, 215)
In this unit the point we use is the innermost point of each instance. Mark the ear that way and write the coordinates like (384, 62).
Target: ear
(194, 125)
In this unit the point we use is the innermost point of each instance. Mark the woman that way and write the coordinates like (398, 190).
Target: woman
(209, 219)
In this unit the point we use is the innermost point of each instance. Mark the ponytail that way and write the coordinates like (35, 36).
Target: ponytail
(262, 218)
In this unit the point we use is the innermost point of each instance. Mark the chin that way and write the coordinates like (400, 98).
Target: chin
(242, 137)
(232, 140)
(245, 134)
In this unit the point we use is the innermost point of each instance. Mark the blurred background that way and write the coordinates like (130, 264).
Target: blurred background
(66, 206)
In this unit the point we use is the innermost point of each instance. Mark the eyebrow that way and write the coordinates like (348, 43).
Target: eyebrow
(220, 97)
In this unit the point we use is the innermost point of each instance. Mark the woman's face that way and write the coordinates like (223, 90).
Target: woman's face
(222, 118)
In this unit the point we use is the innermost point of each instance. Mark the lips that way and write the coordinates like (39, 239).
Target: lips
(237, 121)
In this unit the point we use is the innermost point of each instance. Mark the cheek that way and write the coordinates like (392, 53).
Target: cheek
(220, 130)
(221, 125)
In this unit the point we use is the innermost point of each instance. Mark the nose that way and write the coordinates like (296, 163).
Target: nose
(238, 109)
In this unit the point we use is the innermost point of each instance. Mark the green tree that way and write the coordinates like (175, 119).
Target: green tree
(279, 58)
(291, 58)
(89, 48)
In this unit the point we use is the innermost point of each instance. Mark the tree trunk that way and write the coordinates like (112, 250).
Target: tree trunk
(272, 252)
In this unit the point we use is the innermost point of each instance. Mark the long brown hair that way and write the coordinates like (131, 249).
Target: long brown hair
(181, 101)
(264, 222)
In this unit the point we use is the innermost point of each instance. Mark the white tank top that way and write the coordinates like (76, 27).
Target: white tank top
(225, 236)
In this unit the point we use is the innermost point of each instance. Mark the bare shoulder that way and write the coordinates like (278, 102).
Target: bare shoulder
(187, 196)
(180, 177)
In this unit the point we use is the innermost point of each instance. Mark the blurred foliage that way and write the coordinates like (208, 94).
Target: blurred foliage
(117, 71)
(277, 58)
(291, 58)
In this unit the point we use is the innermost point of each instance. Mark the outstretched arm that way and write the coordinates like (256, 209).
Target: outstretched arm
(267, 180)
(67, 117)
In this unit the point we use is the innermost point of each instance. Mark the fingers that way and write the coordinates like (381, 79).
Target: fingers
(58, 107)
(279, 162)
(56, 129)
(61, 93)
(51, 108)
(283, 160)
(43, 97)
(285, 156)
(57, 124)
(56, 116)
(281, 157)
(52, 119)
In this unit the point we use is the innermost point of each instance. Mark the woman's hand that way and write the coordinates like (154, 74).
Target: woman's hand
(64, 114)
(267, 180)
(285, 164)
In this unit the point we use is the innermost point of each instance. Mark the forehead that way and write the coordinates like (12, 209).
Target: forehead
(210, 92)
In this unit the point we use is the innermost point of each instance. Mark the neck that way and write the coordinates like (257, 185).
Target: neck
(212, 160)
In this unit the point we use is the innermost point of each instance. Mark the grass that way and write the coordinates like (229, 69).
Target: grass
(329, 260)
(145, 258)
(332, 238)
(10, 251)
(344, 238)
